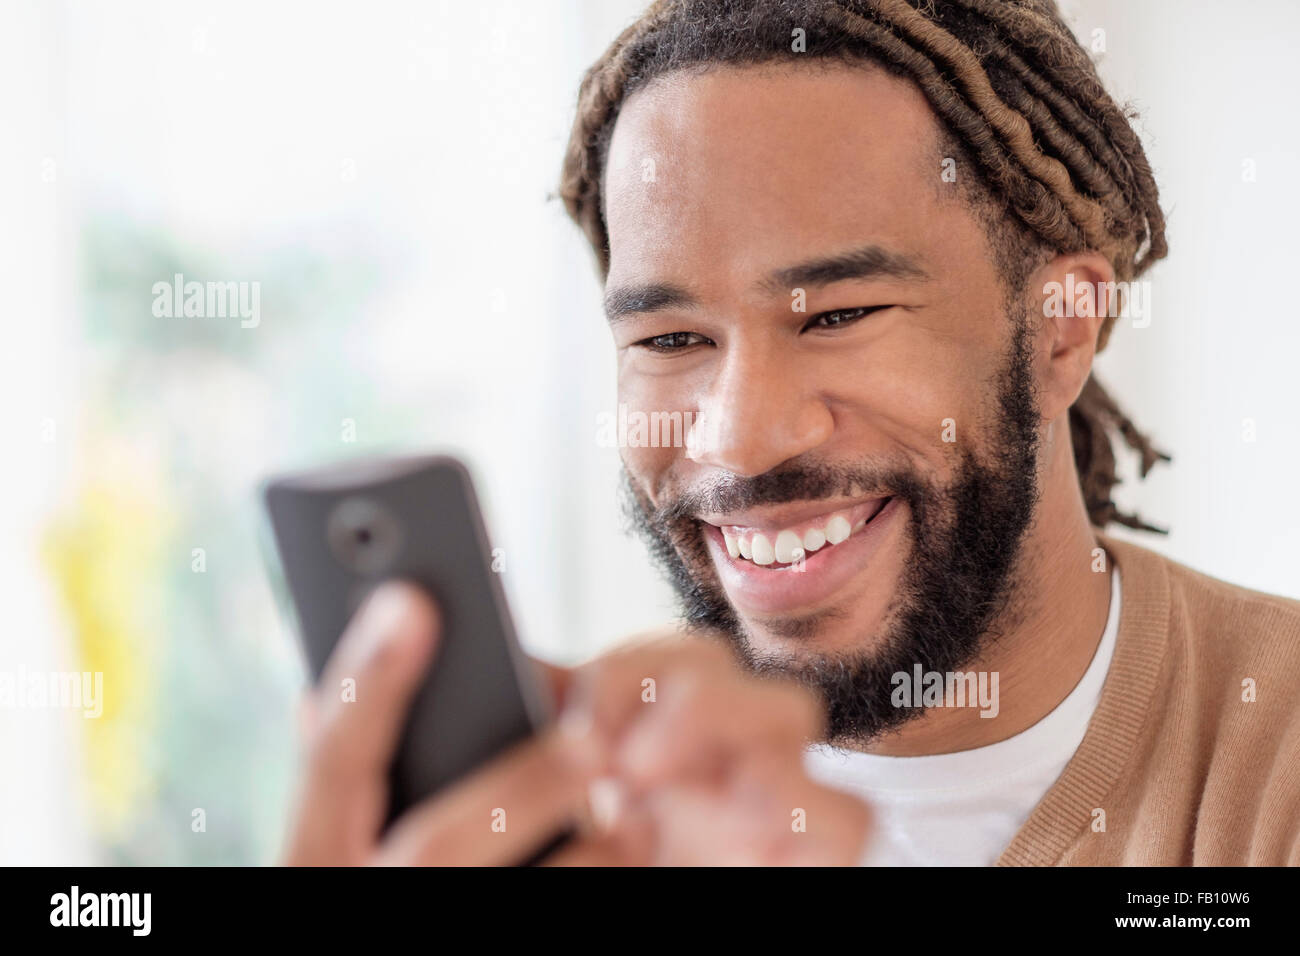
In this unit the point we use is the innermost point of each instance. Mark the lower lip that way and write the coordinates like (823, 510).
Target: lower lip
(771, 590)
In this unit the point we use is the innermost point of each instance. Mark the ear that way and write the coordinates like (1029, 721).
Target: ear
(1073, 294)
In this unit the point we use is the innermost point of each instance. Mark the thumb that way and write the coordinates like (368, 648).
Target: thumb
(372, 677)
(361, 705)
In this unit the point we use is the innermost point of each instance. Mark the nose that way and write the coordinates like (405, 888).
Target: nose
(759, 411)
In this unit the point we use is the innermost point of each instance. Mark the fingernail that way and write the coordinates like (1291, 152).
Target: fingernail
(576, 722)
(579, 738)
(577, 717)
(382, 610)
(387, 616)
(640, 748)
(606, 798)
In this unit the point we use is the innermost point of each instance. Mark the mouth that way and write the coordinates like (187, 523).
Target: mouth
(781, 546)
(782, 560)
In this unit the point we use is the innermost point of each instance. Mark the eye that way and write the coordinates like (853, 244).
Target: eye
(841, 317)
(673, 341)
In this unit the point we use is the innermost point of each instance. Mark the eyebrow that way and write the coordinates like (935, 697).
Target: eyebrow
(867, 262)
(634, 299)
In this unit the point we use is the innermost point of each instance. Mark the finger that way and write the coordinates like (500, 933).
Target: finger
(626, 839)
(804, 823)
(697, 826)
(357, 712)
(782, 819)
(370, 680)
(501, 814)
(705, 722)
(557, 679)
(307, 716)
(610, 693)
(606, 850)
(599, 852)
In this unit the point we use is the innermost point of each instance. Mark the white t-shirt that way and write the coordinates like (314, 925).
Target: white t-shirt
(962, 809)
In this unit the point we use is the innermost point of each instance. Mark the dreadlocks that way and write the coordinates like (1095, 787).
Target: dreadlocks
(1059, 166)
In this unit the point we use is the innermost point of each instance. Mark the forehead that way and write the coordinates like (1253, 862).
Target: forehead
(743, 169)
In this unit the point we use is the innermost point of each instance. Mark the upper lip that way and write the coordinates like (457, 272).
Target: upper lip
(785, 515)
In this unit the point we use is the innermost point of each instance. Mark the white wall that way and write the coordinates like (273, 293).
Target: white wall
(1216, 86)
(41, 818)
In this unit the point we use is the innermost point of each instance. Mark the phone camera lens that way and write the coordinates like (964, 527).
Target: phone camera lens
(364, 536)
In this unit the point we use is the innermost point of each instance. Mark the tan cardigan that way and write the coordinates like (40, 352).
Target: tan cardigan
(1176, 766)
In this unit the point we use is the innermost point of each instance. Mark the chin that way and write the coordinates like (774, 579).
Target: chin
(851, 629)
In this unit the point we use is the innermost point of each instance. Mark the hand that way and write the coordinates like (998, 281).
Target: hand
(709, 772)
(341, 811)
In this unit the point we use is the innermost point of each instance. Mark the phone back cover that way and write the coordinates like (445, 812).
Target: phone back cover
(479, 696)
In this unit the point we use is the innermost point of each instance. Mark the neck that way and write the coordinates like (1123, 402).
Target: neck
(1051, 630)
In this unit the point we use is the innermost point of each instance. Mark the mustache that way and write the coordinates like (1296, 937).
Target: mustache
(790, 483)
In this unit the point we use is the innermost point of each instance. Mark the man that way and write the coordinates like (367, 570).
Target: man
(837, 235)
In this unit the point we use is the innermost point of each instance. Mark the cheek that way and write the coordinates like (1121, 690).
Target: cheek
(649, 467)
(653, 419)
(922, 390)
(916, 391)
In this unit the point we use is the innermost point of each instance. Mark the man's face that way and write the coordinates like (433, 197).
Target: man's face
(789, 266)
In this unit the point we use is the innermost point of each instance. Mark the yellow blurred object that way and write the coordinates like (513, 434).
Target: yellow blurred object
(105, 556)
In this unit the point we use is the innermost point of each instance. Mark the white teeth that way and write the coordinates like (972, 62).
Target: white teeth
(732, 548)
(838, 529)
(788, 547)
(787, 543)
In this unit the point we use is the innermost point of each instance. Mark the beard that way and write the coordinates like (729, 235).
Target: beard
(955, 595)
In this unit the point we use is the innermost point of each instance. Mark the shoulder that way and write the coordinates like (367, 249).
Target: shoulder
(1209, 612)
(1229, 654)
(1224, 651)
(1224, 692)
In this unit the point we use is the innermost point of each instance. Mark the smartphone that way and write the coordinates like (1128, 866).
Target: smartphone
(340, 531)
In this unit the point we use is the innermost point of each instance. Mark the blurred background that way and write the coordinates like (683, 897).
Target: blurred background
(383, 172)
